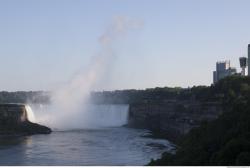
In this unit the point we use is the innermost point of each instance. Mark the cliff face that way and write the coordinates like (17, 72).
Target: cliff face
(172, 119)
(12, 114)
(14, 121)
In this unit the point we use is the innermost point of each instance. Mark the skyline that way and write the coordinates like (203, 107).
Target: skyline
(44, 43)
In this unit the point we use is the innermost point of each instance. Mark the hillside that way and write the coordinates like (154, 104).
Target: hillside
(224, 141)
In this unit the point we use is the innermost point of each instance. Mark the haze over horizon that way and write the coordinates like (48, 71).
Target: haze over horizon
(44, 43)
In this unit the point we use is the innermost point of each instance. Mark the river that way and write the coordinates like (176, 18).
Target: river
(103, 146)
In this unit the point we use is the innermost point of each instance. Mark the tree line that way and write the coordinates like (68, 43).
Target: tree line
(224, 141)
(40, 97)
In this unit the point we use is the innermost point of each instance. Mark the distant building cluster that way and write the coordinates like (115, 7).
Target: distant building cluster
(223, 68)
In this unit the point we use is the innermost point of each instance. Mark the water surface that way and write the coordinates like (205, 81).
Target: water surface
(99, 147)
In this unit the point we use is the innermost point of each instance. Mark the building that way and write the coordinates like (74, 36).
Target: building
(223, 69)
(248, 59)
(243, 65)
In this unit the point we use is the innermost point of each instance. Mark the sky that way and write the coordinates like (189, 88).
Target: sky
(43, 43)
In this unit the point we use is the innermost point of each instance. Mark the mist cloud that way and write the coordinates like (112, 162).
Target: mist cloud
(70, 100)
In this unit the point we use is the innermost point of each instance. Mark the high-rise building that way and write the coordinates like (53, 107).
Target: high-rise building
(243, 65)
(248, 59)
(223, 69)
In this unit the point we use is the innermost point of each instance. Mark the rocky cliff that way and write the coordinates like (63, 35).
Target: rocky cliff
(173, 118)
(14, 121)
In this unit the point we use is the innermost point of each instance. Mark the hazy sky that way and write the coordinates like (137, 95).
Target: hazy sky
(44, 42)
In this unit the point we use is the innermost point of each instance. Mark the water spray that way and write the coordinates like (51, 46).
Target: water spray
(69, 102)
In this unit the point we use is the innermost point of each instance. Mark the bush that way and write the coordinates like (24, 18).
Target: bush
(243, 159)
(224, 141)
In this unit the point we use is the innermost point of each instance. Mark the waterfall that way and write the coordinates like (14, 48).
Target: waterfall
(107, 115)
(93, 116)
(30, 114)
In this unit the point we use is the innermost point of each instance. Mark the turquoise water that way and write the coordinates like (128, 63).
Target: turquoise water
(99, 147)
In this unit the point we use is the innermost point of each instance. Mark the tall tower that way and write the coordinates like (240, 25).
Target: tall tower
(248, 59)
(243, 65)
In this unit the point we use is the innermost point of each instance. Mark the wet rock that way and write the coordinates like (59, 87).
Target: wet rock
(14, 121)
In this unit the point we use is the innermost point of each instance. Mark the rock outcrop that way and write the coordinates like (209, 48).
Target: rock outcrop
(14, 121)
(172, 119)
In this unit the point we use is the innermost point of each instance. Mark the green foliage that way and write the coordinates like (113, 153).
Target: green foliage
(224, 141)
(151, 95)
(25, 97)
(228, 155)
(243, 159)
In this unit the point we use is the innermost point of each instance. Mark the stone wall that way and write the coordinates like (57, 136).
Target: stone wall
(172, 119)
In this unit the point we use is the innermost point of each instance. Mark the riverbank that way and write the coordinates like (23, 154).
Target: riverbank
(174, 118)
(224, 141)
(14, 121)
